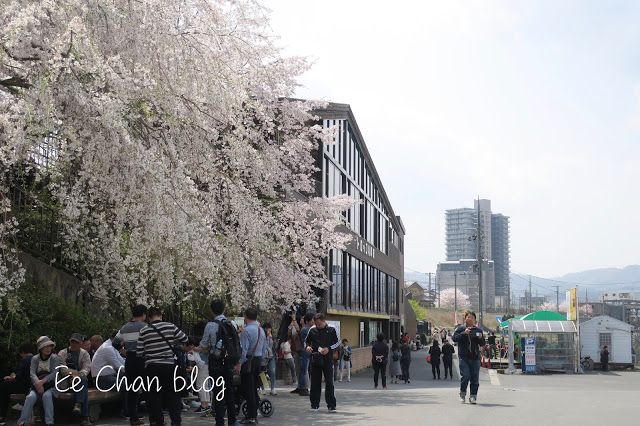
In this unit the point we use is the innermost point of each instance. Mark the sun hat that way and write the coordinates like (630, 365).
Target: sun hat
(43, 342)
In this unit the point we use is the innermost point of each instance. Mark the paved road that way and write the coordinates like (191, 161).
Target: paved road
(592, 399)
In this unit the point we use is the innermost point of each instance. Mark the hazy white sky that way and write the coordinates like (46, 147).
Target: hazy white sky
(532, 104)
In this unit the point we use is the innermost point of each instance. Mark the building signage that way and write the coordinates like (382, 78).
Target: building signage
(572, 304)
(530, 355)
(364, 247)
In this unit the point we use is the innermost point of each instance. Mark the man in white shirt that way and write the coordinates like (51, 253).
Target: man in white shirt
(106, 363)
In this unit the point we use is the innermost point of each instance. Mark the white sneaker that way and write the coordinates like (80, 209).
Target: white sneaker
(315, 408)
(463, 397)
(274, 393)
(472, 399)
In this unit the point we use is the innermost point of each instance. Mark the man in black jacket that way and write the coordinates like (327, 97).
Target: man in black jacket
(321, 341)
(447, 358)
(18, 381)
(469, 338)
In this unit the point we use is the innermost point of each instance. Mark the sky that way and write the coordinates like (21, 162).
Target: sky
(534, 105)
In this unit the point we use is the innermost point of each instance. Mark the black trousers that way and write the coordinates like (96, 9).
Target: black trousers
(435, 368)
(248, 382)
(6, 389)
(317, 371)
(379, 369)
(404, 365)
(448, 366)
(223, 401)
(133, 368)
(167, 397)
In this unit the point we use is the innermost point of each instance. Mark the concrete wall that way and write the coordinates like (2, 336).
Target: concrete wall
(57, 281)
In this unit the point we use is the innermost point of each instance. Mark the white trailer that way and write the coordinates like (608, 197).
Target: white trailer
(605, 330)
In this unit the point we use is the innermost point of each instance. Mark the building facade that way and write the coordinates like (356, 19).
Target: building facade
(461, 245)
(366, 296)
(463, 275)
(501, 255)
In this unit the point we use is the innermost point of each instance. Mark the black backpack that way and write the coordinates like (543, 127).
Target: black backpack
(231, 351)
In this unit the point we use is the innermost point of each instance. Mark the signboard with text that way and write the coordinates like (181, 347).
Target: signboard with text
(530, 355)
(572, 304)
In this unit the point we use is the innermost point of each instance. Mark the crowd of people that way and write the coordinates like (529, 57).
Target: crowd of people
(228, 365)
(145, 357)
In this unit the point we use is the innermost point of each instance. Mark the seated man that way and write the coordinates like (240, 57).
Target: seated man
(76, 362)
(18, 381)
(106, 362)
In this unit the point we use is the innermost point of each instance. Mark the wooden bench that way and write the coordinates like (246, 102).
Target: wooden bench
(96, 400)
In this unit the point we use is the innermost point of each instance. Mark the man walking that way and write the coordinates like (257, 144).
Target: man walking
(221, 340)
(156, 344)
(470, 339)
(252, 342)
(320, 343)
(604, 358)
(133, 364)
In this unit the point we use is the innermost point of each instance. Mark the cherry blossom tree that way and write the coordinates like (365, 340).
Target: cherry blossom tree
(182, 165)
(448, 299)
(547, 306)
(586, 310)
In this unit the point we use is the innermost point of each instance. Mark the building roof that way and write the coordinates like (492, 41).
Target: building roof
(520, 326)
(600, 318)
(544, 316)
(336, 111)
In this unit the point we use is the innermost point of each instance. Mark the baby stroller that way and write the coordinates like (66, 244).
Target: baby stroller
(265, 406)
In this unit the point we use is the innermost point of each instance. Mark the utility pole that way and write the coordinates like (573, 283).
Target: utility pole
(557, 298)
(530, 307)
(479, 252)
(455, 298)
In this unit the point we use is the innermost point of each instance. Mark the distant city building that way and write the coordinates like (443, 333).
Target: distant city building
(533, 301)
(462, 245)
(416, 291)
(620, 298)
(463, 275)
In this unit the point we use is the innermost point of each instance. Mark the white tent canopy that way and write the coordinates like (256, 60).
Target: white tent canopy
(519, 326)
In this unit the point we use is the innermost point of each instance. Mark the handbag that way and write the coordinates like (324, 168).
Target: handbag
(248, 367)
(429, 358)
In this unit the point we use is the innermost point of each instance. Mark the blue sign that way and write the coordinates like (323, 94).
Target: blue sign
(530, 355)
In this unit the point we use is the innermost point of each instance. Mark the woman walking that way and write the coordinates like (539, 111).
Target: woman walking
(435, 353)
(285, 347)
(447, 358)
(379, 357)
(394, 366)
(405, 360)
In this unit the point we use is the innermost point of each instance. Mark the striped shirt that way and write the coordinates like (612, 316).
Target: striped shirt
(154, 348)
(129, 334)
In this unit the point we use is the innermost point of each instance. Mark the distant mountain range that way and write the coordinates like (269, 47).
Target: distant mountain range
(591, 283)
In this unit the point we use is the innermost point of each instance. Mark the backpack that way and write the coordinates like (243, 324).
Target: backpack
(230, 351)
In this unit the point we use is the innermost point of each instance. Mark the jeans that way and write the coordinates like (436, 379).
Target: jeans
(167, 395)
(291, 365)
(469, 372)
(345, 366)
(30, 401)
(80, 397)
(133, 368)
(248, 382)
(448, 367)
(404, 365)
(271, 370)
(435, 368)
(380, 369)
(317, 371)
(303, 377)
(228, 403)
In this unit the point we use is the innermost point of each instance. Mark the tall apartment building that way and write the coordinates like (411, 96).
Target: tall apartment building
(368, 277)
(500, 249)
(462, 247)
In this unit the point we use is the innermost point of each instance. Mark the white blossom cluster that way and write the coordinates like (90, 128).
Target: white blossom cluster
(182, 164)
